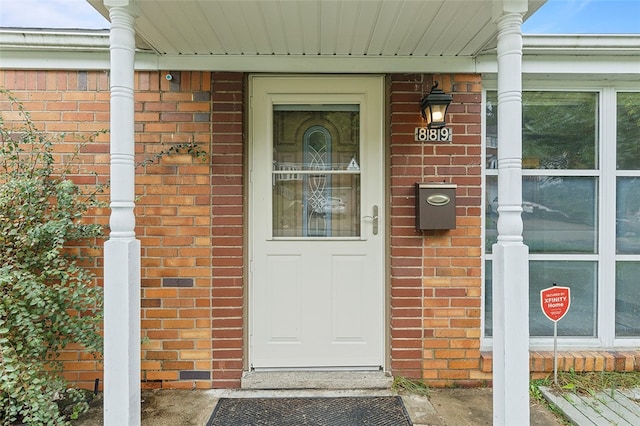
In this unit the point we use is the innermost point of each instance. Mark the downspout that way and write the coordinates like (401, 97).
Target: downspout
(510, 255)
(122, 250)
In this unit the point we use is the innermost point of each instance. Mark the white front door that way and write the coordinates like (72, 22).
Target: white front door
(316, 295)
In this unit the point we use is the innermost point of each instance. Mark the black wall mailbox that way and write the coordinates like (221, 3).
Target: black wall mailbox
(435, 206)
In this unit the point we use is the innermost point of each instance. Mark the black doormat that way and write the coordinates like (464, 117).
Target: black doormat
(342, 411)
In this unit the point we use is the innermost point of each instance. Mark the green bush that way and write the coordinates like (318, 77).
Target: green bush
(48, 299)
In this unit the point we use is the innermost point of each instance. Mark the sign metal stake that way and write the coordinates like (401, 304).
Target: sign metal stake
(555, 302)
(555, 353)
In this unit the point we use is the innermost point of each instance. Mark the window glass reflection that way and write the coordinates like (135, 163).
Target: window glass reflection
(580, 277)
(628, 215)
(559, 130)
(628, 131)
(627, 299)
(559, 214)
(332, 211)
(491, 212)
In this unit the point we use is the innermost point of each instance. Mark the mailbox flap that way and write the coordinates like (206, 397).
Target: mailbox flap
(435, 206)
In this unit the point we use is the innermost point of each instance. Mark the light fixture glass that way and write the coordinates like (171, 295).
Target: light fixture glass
(434, 107)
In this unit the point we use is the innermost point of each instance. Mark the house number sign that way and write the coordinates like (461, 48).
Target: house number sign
(424, 134)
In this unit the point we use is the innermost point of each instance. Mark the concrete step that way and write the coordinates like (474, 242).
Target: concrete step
(316, 380)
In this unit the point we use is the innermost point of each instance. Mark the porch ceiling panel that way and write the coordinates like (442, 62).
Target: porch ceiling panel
(386, 28)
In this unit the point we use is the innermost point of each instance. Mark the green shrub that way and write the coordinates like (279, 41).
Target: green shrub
(48, 299)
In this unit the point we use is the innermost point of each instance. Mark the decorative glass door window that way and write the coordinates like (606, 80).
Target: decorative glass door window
(316, 171)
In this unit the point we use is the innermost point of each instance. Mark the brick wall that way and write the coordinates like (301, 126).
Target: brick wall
(191, 221)
(174, 225)
(227, 179)
(436, 275)
(173, 213)
(190, 217)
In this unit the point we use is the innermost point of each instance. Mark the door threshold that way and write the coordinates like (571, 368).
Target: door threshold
(316, 380)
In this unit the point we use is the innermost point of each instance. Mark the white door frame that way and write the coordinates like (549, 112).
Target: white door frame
(368, 91)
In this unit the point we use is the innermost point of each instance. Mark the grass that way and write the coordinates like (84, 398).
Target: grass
(536, 393)
(593, 382)
(587, 383)
(417, 387)
(570, 382)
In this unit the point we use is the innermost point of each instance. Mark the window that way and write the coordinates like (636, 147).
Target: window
(627, 215)
(316, 171)
(581, 209)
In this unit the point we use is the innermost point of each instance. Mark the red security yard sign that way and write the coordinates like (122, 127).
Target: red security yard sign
(555, 302)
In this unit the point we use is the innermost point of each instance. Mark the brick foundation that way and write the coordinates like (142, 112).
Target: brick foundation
(541, 362)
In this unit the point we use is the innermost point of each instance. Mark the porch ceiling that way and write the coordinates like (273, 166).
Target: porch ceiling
(338, 28)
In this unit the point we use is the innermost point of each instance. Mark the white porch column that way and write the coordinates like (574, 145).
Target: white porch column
(122, 250)
(510, 255)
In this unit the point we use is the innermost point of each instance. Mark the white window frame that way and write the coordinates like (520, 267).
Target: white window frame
(607, 175)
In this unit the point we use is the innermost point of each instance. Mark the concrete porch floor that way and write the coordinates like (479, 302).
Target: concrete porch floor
(444, 407)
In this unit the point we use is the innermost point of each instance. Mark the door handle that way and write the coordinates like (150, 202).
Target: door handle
(374, 220)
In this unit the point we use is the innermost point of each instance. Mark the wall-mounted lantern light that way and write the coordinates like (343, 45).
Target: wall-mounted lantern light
(434, 107)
